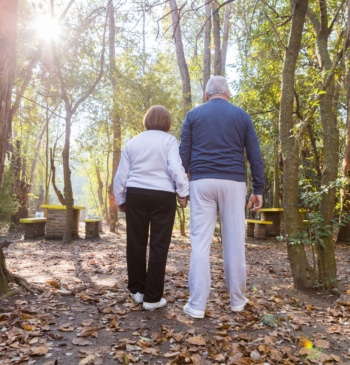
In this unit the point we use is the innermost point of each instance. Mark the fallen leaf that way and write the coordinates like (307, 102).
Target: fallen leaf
(67, 327)
(151, 351)
(197, 340)
(321, 343)
(81, 342)
(39, 350)
(87, 360)
(54, 283)
(89, 331)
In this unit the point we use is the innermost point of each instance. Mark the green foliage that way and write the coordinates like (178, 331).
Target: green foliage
(9, 203)
(316, 230)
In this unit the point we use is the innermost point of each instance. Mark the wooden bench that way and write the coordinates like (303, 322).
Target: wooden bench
(33, 227)
(92, 227)
(257, 228)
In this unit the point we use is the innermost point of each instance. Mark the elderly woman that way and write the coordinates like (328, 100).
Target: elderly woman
(149, 177)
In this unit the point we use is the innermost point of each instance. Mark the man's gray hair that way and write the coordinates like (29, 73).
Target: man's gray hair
(217, 85)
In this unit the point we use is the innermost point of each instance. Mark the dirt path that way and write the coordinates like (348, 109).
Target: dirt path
(85, 314)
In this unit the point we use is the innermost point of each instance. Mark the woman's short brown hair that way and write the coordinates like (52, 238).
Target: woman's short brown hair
(157, 117)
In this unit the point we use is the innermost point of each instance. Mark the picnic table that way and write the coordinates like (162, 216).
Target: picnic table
(267, 225)
(274, 215)
(56, 221)
(92, 227)
(33, 227)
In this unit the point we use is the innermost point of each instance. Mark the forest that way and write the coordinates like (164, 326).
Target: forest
(77, 78)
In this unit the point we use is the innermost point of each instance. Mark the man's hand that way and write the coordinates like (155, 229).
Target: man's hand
(255, 202)
(121, 208)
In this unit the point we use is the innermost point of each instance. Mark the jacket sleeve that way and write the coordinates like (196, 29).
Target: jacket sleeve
(255, 160)
(186, 143)
(121, 178)
(176, 170)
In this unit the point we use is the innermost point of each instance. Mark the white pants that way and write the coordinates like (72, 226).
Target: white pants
(207, 198)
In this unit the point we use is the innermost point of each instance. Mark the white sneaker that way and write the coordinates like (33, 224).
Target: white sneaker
(138, 297)
(194, 313)
(153, 306)
(239, 308)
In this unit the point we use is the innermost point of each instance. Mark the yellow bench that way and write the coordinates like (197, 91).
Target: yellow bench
(257, 228)
(33, 227)
(92, 227)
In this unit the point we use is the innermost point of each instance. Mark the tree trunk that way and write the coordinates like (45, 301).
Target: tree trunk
(225, 37)
(113, 210)
(59, 195)
(182, 218)
(180, 56)
(344, 231)
(68, 191)
(302, 272)
(8, 34)
(207, 43)
(35, 158)
(20, 187)
(217, 39)
(100, 189)
(5, 276)
(276, 167)
(325, 251)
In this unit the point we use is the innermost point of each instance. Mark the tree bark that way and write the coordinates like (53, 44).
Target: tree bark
(207, 45)
(344, 231)
(217, 39)
(100, 188)
(68, 190)
(225, 37)
(180, 56)
(20, 186)
(113, 210)
(59, 195)
(182, 218)
(5, 276)
(325, 251)
(8, 35)
(276, 167)
(302, 272)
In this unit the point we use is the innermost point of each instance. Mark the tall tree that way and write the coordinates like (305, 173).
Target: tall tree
(303, 273)
(344, 231)
(8, 32)
(221, 26)
(326, 256)
(71, 104)
(8, 35)
(113, 75)
(207, 44)
(180, 55)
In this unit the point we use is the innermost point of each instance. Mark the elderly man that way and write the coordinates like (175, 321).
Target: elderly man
(215, 139)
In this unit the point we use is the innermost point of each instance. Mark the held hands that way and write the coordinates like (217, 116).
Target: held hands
(255, 202)
(182, 201)
(121, 208)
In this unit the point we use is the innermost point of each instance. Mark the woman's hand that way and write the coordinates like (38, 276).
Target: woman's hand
(121, 208)
(182, 201)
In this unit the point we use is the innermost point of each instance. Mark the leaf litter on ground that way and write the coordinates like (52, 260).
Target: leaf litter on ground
(85, 315)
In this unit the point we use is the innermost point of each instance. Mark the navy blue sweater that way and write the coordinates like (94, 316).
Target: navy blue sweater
(214, 140)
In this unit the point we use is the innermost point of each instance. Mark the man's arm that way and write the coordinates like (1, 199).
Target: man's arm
(185, 144)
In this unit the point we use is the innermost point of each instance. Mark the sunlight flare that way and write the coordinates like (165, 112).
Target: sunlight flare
(47, 28)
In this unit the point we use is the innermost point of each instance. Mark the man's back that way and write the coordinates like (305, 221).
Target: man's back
(213, 141)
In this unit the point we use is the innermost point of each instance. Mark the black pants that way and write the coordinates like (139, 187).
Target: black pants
(149, 213)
